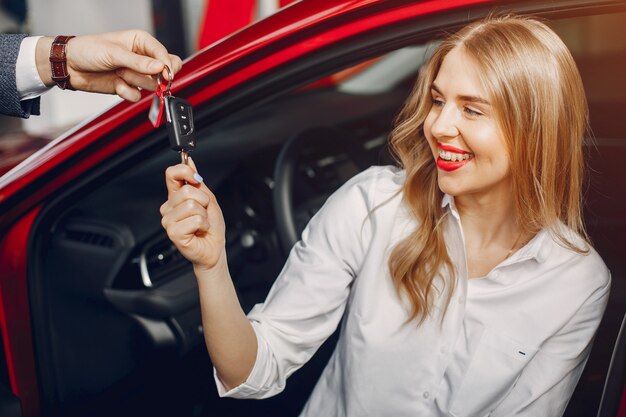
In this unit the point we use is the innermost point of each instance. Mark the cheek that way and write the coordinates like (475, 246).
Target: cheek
(428, 123)
(487, 142)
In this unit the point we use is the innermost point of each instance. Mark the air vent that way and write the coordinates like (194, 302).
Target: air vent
(90, 238)
(160, 262)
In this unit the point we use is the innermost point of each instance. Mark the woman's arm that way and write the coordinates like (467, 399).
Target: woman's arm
(255, 355)
(193, 221)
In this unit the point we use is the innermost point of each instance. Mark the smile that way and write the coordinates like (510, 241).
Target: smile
(451, 158)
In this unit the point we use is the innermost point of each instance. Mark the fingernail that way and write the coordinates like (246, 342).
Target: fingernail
(197, 177)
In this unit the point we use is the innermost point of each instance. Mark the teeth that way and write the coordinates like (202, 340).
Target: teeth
(452, 156)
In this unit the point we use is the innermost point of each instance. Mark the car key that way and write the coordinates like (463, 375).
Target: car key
(180, 128)
(178, 116)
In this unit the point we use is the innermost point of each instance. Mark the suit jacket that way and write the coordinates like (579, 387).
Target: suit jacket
(10, 103)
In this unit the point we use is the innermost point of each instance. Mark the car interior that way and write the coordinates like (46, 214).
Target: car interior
(115, 309)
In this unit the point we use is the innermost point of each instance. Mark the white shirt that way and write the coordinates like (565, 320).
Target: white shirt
(512, 343)
(28, 82)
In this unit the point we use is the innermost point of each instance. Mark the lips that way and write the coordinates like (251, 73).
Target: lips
(451, 158)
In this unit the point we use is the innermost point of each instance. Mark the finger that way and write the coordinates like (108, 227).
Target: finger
(203, 187)
(177, 63)
(136, 79)
(183, 231)
(187, 208)
(192, 164)
(145, 44)
(105, 82)
(177, 175)
(125, 91)
(119, 57)
(190, 192)
(100, 82)
(181, 212)
(165, 208)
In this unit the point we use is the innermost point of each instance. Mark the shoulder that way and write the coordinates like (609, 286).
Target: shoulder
(584, 270)
(371, 187)
(352, 205)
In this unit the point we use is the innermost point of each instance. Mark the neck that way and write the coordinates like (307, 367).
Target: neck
(488, 220)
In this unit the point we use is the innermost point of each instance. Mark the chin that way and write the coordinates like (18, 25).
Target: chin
(448, 188)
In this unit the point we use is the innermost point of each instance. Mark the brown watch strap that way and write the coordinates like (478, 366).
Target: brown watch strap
(58, 62)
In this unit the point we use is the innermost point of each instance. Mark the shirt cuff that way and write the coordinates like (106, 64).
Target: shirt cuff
(251, 387)
(28, 82)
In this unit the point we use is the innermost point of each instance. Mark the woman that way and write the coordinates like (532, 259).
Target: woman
(466, 280)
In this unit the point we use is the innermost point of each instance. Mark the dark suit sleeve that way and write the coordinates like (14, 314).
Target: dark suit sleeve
(10, 103)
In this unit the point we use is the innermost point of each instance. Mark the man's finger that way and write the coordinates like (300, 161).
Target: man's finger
(136, 79)
(125, 91)
(146, 44)
(99, 82)
(177, 63)
(122, 58)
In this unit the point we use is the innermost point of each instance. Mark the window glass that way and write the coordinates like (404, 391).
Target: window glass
(598, 44)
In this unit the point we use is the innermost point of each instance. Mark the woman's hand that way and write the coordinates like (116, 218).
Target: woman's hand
(192, 218)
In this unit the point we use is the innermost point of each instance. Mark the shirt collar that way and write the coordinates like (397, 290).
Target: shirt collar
(536, 248)
(448, 200)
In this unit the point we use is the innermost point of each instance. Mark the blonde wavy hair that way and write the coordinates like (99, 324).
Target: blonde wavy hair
(536, 89)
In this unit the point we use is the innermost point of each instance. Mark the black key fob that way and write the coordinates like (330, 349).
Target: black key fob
(179, 120)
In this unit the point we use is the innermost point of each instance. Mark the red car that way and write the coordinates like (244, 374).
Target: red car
(99, 314)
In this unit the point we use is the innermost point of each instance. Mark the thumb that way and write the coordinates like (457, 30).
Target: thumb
(197, 175)
(192, 164)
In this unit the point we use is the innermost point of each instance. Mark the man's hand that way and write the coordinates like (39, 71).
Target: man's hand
(113, 63)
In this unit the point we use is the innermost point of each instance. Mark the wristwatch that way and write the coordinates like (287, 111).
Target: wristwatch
(58, 62)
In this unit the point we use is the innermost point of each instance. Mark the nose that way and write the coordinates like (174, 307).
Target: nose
(444, 125)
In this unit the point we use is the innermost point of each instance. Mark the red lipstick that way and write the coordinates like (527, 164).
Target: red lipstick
(452, 165)
(451, 148)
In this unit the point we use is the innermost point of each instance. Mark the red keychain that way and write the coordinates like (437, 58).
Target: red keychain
(158, 101)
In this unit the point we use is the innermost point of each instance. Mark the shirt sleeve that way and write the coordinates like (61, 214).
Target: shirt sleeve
(10, 103)
(27, 79)
(307, 300)
(548, 381)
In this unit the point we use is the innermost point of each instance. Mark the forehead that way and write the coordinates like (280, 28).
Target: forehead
(459, 75)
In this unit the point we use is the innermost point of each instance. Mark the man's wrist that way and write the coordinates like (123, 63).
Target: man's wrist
(58, 62)
(42, 58)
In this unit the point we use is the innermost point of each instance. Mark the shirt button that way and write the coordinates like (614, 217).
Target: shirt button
(426, 394)
(495, 274)
(461, 300)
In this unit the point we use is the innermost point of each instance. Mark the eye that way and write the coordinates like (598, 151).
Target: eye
(436, 102)
(471, 112)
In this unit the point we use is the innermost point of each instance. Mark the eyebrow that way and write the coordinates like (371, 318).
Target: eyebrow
(471, 99)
